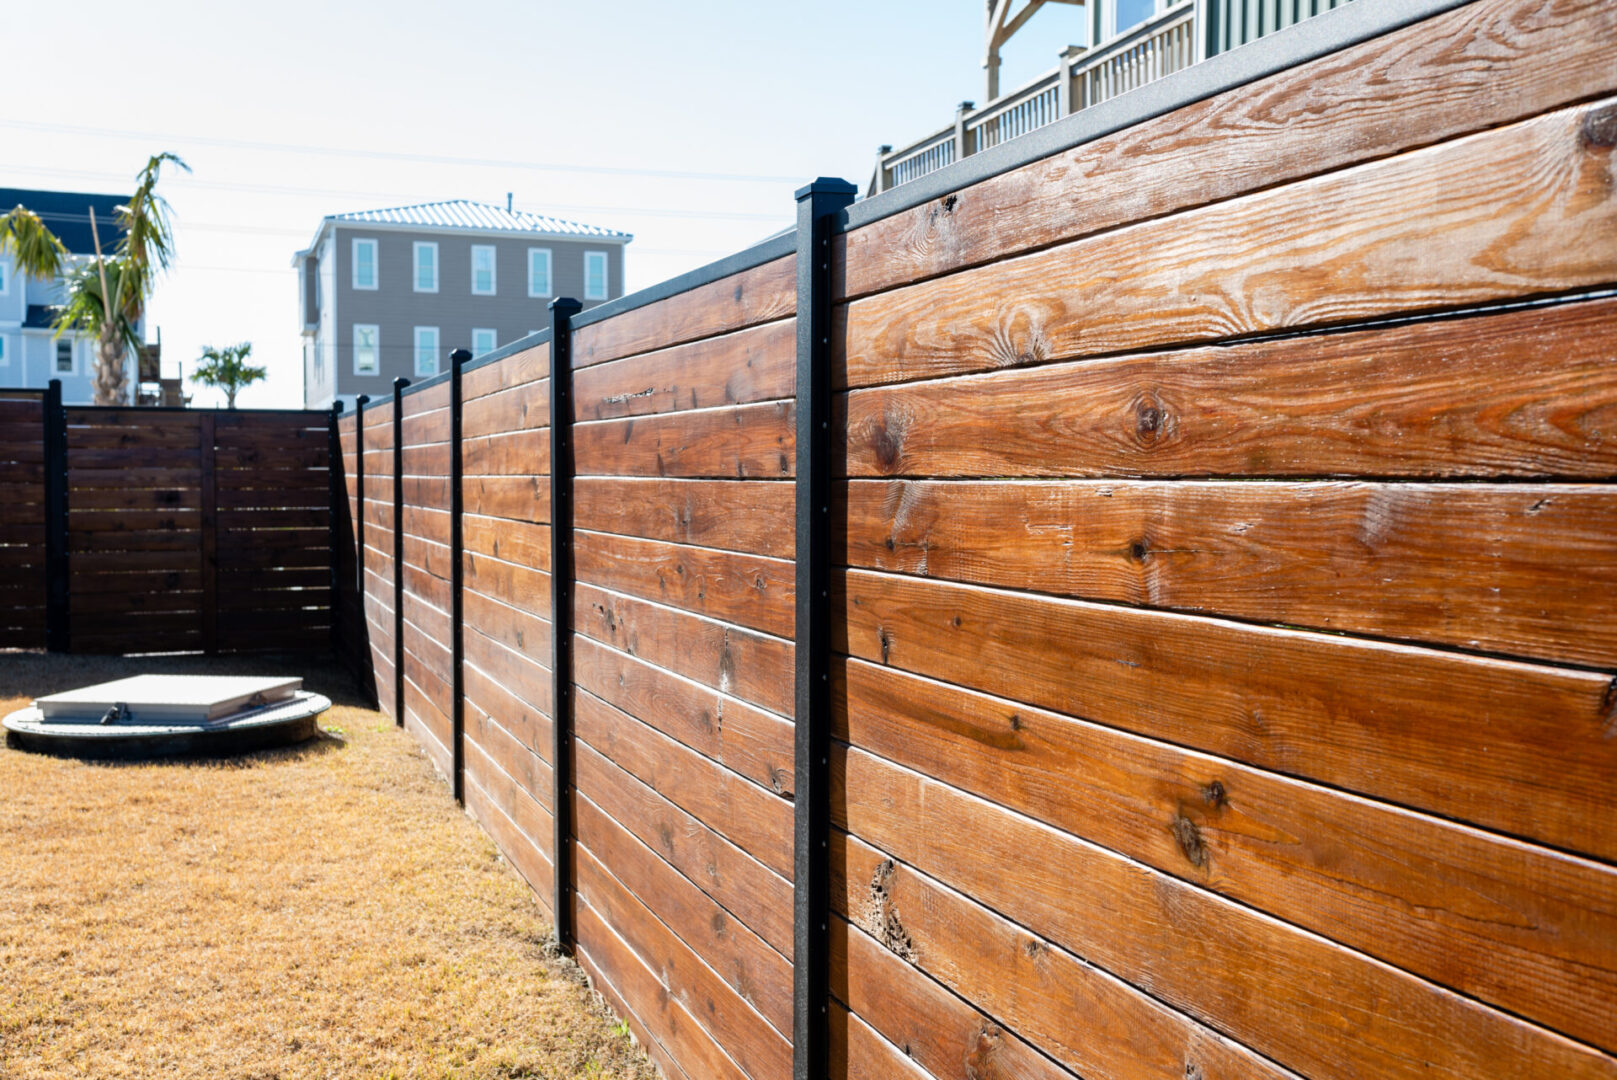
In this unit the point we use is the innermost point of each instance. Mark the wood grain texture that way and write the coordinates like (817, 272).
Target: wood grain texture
(1530, 930)
(754, 296)
(737, 882)
(1088, 1020)
(1511, 212)
(858, 1052)
(759, 1050)
(748, 590)
(740, 441)
(745, 740)
(757, 973)
(750, 517)
(514, 453)
(1284, 993)
(949, 1038)
(528, 366)
(1479, 566)
(754, 819)
(733, 369)
(666, 1018)
(1504, 745)
(750, 666)
(520, 408)
(1528, 393)
(1487, 64)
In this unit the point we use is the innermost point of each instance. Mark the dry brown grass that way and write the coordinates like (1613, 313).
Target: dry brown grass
(319, 911)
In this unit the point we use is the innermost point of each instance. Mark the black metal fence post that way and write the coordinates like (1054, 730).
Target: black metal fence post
(457, 577)
(398, 549)
(817, 207)
(56, 581)
(359, 501)
(339, 496)
(562, 311)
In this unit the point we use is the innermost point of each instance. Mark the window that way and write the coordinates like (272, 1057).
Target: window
(483, 341)
(539, 272)
(365, 350)
(364, 264)
(64, 356)
(5, 357)
(426, 350)
(595, 275)
(5, 276)
(426, 266)
(482, 270)
(1131, 13)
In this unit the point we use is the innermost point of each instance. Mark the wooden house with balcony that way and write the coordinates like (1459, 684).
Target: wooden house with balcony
(1130, 43)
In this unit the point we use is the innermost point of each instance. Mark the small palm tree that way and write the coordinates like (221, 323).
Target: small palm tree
(227, 368)
(105, 298)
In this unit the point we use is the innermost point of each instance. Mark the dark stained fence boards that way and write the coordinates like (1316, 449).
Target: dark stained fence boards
(198, 530)
(22, 525)
(1222, 613)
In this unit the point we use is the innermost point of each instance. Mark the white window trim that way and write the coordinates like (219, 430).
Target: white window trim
(550, 271)
(415, 265)
(493, 270)
(606, 275)
(376, 270)
(494, 336)
(376, 347)
(72, 350)
(415, 343)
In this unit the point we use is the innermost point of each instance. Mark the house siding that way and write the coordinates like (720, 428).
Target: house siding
(396, 308)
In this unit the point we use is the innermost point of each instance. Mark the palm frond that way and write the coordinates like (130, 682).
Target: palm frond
(38, 252)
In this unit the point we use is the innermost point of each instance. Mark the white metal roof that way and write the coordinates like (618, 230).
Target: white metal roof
(465, 214)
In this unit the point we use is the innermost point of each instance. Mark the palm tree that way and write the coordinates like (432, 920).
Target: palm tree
(228, 369)
(105, 298)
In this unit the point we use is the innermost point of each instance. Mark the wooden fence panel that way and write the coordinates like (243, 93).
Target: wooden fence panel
(427, 651)
(683, 667)
(505, 461)
(1223, 599)
(379, 568)
(1147, 721)
(22, 532)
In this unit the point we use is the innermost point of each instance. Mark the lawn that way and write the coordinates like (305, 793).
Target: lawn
(317, 911)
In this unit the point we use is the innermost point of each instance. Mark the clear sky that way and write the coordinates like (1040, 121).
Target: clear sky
(686, 124)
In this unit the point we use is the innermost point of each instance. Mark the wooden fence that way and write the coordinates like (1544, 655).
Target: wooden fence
(1221, 590)
(178, 530)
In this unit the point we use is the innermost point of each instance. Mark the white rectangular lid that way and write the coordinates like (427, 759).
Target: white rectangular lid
(169, 698)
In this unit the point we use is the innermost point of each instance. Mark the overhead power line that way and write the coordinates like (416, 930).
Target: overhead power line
(392, 155)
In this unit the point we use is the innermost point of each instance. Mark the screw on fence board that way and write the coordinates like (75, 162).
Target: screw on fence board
(562, 311)
(339, 495)
(457, 577)
(818, 206)
(56, 579)
(398, 549)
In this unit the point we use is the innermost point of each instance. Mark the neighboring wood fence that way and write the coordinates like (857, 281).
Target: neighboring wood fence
(179, 530)
(1223, 619)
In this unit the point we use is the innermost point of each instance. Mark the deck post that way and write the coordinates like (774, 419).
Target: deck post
(56, 579)
(457, 579)
(562, 310)
(398, 549)
(818, 205)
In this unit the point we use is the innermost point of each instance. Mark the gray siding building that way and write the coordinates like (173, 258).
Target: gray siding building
(389, 293)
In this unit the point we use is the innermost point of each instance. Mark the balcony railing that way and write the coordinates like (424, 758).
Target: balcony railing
(1157, 47)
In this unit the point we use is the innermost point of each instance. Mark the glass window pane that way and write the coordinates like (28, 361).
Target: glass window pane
(426, 350)
(64, 355)
(595, 275)
(426, 268)
(483, 270)
(1131, 13)
(482, 342)
(538, 272)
